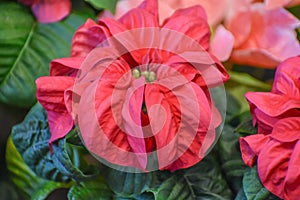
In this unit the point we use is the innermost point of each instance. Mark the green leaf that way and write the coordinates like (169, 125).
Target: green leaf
(143, 196)
(25, 179)
(21, 174)
(230, 158)
(246, 128)
(253, 189)
(127, 184)
(47, 188)
(104, 4)
(70, 161)
(31, 138)
(240, 83)
(94, 190)
(26, 49)
(202, 181)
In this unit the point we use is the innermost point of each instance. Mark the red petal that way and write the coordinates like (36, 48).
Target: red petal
(106, 112)
(65, 66)
(291, 185)
(273, 162)
(251, 146)
(287, 129)
(146, 15)
(191, 22)
(50, 93)
(87, 37)
(287, 78)
(272, 104)
(184, 131)
(151, 6)
(51, 11)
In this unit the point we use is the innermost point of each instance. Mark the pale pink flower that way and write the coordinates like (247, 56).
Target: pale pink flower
(262, 38)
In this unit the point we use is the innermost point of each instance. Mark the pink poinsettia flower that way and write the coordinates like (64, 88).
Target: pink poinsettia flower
(47, 11)
(136, 87)
(262, 38)
(276, 147)
(215, 9)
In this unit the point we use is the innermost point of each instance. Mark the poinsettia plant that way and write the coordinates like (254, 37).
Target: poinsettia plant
(150, 99)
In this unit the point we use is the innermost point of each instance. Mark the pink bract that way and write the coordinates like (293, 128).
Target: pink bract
(136, 87)
(262, 38)
(215, 9)
(276, 147)
(273, 4)
(47, 11)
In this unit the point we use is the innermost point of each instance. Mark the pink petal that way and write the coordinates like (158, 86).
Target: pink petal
(272, 104)
(254, 57)
(222, 43)
(291, 185)
(287, 130)
(239, 24)
(124, 6)
(293, 3)
(50, 94)
(258, 48)
(65, 66)
(278, 17)
(191, 22)
(215, 9)
(273, 162)
(273, 4)
(251, 146)
(51, 11)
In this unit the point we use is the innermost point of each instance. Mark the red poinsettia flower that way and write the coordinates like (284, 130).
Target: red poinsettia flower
(276, 147)
(49, 10)
(136, 88)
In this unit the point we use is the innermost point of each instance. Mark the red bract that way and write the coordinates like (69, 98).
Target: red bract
(49, 10)
(137, 88)
(277, 146)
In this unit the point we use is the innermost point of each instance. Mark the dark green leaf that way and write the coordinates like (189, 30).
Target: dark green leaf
(144, 196)
(202, 181)
(31, 138)
(104, 4)
(232, 164)
(253, 189)
(70, 161)
(43, 191)
(93, 190)
(127, 184)
(27, 47)
(25, 179)
(246, 128)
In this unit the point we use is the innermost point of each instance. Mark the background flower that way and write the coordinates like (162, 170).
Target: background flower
(254, 29)
(49, 10)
